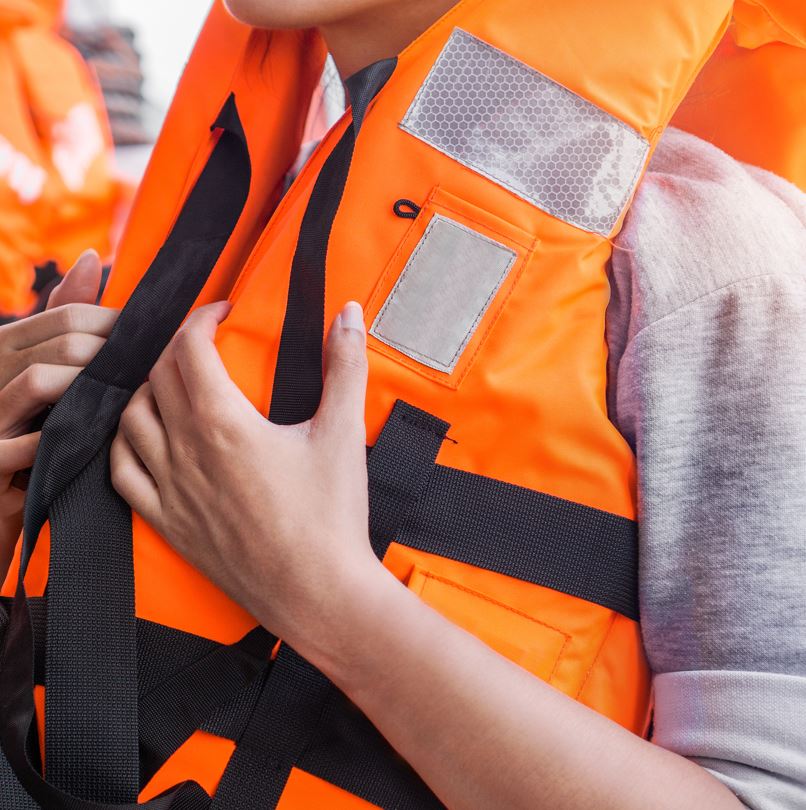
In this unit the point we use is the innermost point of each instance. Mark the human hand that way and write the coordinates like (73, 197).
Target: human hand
(277, 516)
(39, 357)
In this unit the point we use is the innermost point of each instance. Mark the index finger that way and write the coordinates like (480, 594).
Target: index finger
(197, 357)
(87, 318)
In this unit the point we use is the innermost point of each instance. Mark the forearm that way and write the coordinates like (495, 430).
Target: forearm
(484, 733)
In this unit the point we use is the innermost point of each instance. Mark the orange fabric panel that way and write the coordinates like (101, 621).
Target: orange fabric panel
(557, 637)
(620, 666)
(752, 104)
(306, 792)
(202, 758)
(759, 22)
(255, 65)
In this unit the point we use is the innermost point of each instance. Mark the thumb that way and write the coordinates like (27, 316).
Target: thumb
(81, 282)
(345, 387)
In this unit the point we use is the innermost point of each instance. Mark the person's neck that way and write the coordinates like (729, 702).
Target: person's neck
(369, 36)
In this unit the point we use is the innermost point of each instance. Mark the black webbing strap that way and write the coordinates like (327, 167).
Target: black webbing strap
(528, 535)
(12, 793)
(298, 376)
(70, 484)
(91, 661)
(399, 468)
(174, 709)
(294, 693)
(185, 682)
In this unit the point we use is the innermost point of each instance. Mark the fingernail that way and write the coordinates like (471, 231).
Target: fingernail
(87, 253)
(352, 317)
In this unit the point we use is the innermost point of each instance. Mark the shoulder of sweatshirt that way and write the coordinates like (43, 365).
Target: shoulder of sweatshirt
(701, 221)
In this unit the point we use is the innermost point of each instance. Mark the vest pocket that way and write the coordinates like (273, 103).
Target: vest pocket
(445, 287)
(518, 636)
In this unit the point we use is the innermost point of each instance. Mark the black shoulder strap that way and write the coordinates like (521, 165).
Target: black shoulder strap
(91, 716)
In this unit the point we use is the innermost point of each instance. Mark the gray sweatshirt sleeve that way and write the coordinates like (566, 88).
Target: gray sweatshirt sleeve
(707, 330)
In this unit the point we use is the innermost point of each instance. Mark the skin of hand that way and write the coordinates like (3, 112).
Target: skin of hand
(39, 357)
(191, 419)
(278, 517)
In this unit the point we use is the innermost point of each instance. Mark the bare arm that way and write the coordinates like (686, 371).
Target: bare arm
(482, 732)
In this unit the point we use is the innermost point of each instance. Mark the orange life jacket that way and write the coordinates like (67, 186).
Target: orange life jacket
(750, 99)
(489, 174)
(58, 194)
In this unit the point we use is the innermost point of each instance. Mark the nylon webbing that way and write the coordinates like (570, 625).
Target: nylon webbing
(13, 795)
(174, 709)
(297, 385)
(67, 478)
(538, 538)
(294, 693)
(90, 660)
(399, 468)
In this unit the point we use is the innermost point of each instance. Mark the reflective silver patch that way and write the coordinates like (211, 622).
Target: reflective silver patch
(507, 121)
(442, 293)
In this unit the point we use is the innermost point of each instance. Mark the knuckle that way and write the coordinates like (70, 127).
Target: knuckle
(218, 418)
(71, 318)
(127, 418)
(183, 341)
(35, 380)
(69, 348)
(118, 469)
(131, 422)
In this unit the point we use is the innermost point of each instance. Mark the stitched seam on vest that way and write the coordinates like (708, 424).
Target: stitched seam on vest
(595, 661)
(445, 367)
(484, 597)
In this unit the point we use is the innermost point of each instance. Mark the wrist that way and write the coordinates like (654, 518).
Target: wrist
(349, 622)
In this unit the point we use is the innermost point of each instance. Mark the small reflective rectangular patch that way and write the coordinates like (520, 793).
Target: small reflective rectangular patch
(442, 294)
(521, 129)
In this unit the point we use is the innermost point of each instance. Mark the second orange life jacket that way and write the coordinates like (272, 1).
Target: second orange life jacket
(58, 194)
(750, 99)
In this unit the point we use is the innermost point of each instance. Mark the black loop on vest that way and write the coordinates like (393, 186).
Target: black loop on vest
(406, 209)
(91, 622)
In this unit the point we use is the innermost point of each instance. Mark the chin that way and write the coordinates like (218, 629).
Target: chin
(285, 13)
(269, 13)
